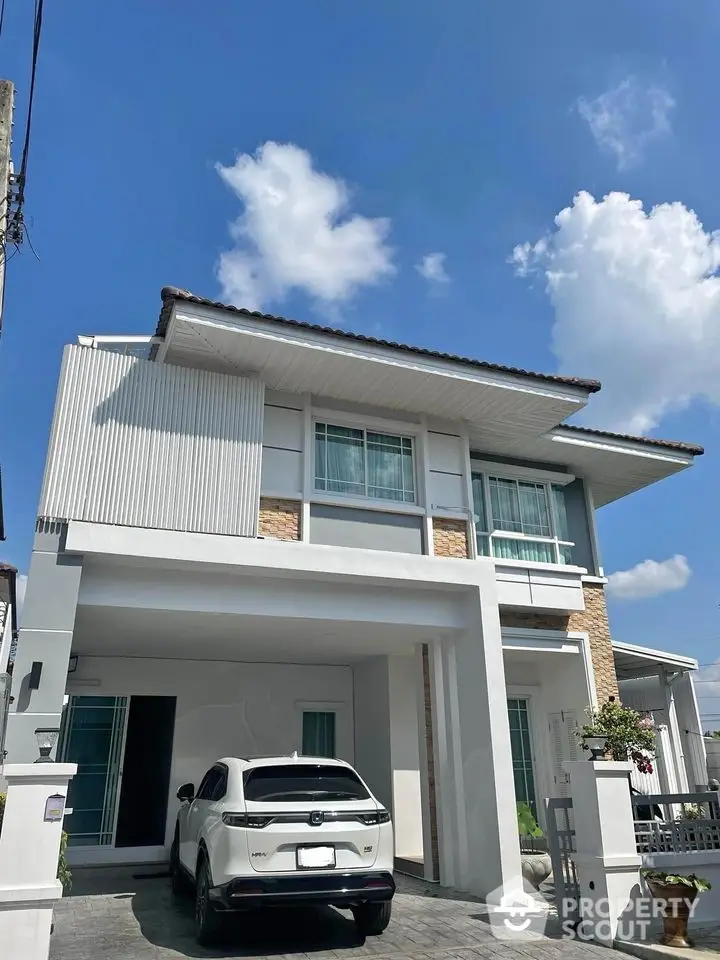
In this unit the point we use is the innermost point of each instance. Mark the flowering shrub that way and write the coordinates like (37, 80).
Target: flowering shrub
(629, 735)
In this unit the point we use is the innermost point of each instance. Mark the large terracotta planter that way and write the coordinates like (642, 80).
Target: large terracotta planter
(676, 900)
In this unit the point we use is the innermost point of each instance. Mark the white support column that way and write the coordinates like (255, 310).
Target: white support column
(678, 754)
(606, 853)
(688, 717)
(478, 825)
(29, 850)
(425, 760)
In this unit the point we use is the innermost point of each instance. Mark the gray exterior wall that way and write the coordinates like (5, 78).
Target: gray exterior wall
(153, 445)
(366, 529)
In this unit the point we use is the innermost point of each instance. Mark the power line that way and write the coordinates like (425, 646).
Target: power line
(37, 30)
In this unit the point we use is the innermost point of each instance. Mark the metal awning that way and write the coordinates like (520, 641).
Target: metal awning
(633, 661)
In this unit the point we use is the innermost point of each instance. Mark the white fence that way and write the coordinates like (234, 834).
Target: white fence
(680, 833)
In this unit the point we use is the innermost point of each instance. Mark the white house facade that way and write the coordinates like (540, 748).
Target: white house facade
(258, 536)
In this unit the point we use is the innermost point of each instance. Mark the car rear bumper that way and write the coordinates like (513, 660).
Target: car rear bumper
(244, 893)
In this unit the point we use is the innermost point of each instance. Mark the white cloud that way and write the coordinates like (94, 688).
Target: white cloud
(637, 305)
(20, 585)
(432, 268)
(650, 578)
(626, 119)
(296, 232)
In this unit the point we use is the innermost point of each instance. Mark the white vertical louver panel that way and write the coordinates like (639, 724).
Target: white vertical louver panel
(143, 444)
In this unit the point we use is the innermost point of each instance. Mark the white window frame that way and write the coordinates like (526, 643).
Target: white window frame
(546, 479)
(345, 422)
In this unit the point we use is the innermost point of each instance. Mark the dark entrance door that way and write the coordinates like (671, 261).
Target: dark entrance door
(142, 810)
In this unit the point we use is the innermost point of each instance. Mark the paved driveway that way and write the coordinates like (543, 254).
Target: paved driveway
(118, 915)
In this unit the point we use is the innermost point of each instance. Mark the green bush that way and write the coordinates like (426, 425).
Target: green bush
(63, 872)
(527, 824)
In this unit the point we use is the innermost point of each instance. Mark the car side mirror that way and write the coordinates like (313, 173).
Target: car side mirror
(186, 792)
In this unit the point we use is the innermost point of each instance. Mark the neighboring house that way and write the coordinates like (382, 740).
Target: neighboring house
(660, 684)
(256, 535)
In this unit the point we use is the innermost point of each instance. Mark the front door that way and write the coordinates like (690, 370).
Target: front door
(92, 736)
(123, 749)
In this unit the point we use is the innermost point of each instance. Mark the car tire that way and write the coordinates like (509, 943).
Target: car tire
(372, 919)
(178, 880)
(208, 922)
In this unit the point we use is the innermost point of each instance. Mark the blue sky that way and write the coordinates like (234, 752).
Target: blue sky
(461, 129)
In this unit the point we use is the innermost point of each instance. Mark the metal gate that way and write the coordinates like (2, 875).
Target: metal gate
(561, 846)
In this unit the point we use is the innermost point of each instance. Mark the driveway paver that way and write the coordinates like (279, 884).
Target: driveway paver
(118, 914)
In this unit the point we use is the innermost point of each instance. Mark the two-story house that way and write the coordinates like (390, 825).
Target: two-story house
(258, 536)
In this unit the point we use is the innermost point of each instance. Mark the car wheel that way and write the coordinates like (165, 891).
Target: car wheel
(208, 923)
(372, 918)
(178, 880)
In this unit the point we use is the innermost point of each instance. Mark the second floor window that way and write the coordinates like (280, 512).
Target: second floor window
(363, 463)
(521, 520)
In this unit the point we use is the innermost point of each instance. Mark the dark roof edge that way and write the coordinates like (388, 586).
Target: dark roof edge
(679, 445)
(170, 295)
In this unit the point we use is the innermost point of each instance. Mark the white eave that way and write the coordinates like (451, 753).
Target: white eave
(306, 361)
(505, 414)
(633, 661)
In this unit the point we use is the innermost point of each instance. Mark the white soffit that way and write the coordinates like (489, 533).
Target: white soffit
(633, 661)
(305, 361)
(612, 468)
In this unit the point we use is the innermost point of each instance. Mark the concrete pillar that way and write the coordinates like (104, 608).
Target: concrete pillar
(29, 850)
(678, 754)
(45, 637)
(405, 758)
(690, 730)
(479, 850)
(606, 854)
(426, 757)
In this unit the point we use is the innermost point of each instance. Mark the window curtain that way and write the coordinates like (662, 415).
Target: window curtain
(561, 519)
(505, 505)
(534, 510)
(481, 529)
(530, 550)
(339, 459)
(318, 734)
(390, 467)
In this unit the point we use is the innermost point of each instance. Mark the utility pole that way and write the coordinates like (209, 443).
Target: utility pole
(7, 94)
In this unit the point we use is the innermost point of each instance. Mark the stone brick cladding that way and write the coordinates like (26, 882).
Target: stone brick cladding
(279, 519)
(430, 750)
(450, 538)
(593, 620)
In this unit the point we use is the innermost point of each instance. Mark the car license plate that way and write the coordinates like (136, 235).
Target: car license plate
(309, 858)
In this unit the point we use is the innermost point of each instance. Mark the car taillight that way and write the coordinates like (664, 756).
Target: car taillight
(371, 819)
(251, 820)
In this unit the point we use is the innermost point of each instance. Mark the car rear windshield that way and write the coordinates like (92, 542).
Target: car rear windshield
(303, 781)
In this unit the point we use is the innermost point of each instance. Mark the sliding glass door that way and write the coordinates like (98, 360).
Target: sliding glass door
(92, 736)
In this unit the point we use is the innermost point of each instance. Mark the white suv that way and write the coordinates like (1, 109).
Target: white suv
(283, 830)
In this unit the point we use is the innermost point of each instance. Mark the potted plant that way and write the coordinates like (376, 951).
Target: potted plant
(627, 734)
(675, 893)
(535, 862)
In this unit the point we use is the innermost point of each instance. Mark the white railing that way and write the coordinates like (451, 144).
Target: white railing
(679, 836)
